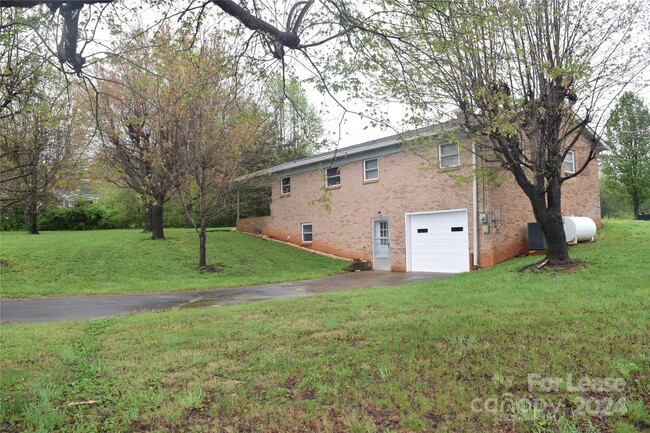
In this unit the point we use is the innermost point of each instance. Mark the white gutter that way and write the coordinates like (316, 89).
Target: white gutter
(474, 208)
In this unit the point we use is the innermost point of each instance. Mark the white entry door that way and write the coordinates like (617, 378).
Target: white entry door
(380, 245)
(437, 241)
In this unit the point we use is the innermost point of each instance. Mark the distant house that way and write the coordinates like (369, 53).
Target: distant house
(71, 199)
(81, 195)
(386, 202)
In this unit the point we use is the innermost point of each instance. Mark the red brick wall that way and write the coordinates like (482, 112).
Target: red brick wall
(407, 183)
(580, 197)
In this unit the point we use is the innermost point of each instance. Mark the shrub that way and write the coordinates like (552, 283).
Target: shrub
(91, 217)
(12, 219)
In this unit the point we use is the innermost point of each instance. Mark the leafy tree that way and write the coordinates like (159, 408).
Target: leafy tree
(292, 130)
(40, 135)
(526, 78)
(627, 165)
(614, 202)
(216, 125)
(40, 145)
(298, 127)
(21, 61)
(142, 141)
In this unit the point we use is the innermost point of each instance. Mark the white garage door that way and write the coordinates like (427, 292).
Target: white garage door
(437, 241)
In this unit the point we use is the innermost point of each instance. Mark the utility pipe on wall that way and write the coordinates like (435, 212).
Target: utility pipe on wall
(237, 204)
(474, 208)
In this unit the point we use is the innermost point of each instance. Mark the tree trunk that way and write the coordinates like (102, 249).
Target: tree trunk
(636, 206)
(188, 217)
(202, 255)
(547, 206)
(557, 250)
(31, 215)
(157, 232)
(147, 222)
(203, 211)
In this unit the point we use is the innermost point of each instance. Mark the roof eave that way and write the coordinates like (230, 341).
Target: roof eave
(397, 139)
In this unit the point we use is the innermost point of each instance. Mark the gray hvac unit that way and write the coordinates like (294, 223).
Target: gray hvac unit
(536, 239)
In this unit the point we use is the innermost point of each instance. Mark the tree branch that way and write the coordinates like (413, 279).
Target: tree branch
(288, 39)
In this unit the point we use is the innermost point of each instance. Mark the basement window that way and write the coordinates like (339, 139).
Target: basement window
(285, 184)
(449, 155)
(306, 233)
(332, 177)
(570, 162)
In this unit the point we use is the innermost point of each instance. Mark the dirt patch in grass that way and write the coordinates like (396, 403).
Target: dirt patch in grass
(210, 269)
(4, 264)
(543, 266)
(296, 393)
(145, 426)
(358, 265)
(384, 419)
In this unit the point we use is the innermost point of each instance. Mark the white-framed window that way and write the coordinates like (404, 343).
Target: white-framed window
(570, 162)
(370, 169)
(449, 155)
(332, 177)
(285, 185)
(306, 233)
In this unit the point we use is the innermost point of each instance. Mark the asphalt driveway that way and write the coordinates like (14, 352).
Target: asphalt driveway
(56, 309)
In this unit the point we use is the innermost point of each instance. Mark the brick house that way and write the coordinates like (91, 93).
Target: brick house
(411, 203)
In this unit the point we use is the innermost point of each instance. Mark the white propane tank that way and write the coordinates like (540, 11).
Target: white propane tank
(579, 229)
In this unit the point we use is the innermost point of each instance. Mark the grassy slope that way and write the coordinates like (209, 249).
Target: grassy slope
(410, 358)
(126, 261)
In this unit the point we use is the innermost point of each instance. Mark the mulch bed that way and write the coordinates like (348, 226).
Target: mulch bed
(543, 266)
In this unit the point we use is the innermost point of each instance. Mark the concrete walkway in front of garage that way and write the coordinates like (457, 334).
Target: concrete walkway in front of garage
(56, 309)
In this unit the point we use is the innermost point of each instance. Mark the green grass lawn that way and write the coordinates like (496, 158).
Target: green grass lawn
(418, 358)
(126, 261)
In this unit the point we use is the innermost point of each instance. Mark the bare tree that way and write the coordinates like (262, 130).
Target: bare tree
(295, 25)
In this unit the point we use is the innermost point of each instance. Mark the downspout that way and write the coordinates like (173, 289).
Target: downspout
(237, 204)
(474, 208)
